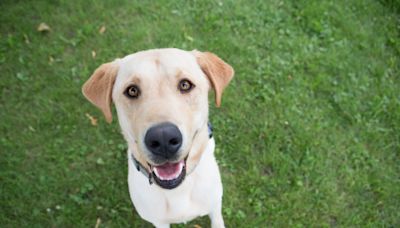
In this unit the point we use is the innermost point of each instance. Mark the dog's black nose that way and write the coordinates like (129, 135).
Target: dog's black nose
(163, 139)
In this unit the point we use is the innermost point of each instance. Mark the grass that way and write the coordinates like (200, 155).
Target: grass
(308, 134)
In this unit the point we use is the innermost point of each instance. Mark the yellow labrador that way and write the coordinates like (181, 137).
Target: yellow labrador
(161, 97)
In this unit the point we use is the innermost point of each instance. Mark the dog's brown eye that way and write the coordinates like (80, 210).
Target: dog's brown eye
(132, 91)
(185, 86)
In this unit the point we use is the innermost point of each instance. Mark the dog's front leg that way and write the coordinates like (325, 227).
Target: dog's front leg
(161, 225)
(216, 218)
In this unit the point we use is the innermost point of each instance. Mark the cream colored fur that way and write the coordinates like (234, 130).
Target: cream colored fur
(157, 73)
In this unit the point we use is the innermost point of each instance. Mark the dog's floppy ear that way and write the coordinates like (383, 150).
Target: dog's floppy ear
(98, 88)
(218, 72)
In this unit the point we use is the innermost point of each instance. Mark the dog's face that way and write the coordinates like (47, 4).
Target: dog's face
(161, 97)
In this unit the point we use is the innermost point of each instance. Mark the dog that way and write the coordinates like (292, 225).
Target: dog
(161, 99)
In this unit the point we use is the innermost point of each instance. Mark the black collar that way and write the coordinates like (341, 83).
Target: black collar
(143, 170)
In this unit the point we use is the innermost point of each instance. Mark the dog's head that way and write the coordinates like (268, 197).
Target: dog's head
(161, 97)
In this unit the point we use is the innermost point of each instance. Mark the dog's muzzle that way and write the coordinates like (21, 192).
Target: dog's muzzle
(170, 174)
(164, 141)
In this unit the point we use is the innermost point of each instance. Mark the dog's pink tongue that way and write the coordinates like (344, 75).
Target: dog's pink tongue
(169, 171)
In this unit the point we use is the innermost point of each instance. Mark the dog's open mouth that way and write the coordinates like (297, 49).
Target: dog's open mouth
(170, 175)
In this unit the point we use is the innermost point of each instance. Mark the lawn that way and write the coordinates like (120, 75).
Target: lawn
(308, 134)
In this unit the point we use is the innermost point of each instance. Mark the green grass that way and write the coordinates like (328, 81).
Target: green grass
(308, 134)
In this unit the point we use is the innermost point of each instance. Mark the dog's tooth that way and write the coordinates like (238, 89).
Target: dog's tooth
(156, 172)
(179, 172)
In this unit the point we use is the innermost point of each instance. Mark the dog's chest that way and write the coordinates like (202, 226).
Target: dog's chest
(190, 200)
(196, 196)
(184, 206)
